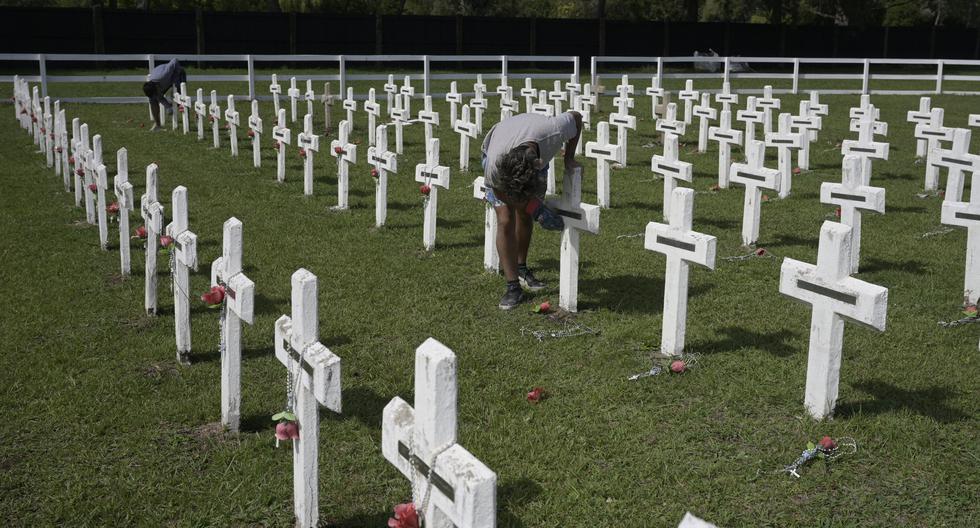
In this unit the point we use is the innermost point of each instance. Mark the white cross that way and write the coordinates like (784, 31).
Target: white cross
(878, 128)
(784, 141)
(669, 124)
(817, 109)
(682, 247)
(49, 133)
(479, 104)
(806, 123)
(282, 137)
(255, 127)
(491, 260)
(215, 116)
(755, 176)
(428, 117)
(185, 257)
(967, 214)
(853, 195)
(36, 118)
(452, 485)
(183, 102)
(466, 131)
(275, 90)
(479, 86)
(833, 295)
(350, 104)
(690, 96)
(751, 116)
(933, 132)
(605, 153)
(152, 212)
(671, 168)
(508, 105)
(77, 153)
(726, 98)
(865, 147)
(573, 87)
(768, 103)
(63, 148)
(408, 92)
(656, 93)
(692, 521)
(101, 182)
(310, 96)
(454, 98)
(201, 111)
(309, 144)
(91, 159)
(346, 154)
(327, 99)
(528, 93)
(588, 100)
(956, 160)
(726, 137)
(124, 197)
(556, 96)
(622, 120)
(864, 109)
(400, 118)
(226, 271)
(293, 93)
(384, 161)
(233, 119)
(578, 217)
(390, 89)
(974, 120)
(542, 107)
(704, 113)
(315, 374)
(373, 110)
(433, 175)
(503, 88)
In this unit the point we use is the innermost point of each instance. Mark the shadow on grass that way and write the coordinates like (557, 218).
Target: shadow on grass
(215, 355)
(909, 209)
(774, 343)
(359, 521)
(871, 265)
(785, 240)
(887, 397)
(624, 293)
(719, 223)
(264, 305)
(513, 494)
(904, 176)
(471, 243)
(363, 405)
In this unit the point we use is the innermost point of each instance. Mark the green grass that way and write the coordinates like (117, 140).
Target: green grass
(102, 428)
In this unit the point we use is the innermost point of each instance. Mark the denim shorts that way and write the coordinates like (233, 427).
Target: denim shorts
(492, 198)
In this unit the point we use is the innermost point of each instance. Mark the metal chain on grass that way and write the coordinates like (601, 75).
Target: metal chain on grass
(938, 232)
(828, 455)
(661, 362)
(569, 328)
(756, 253)
(959, 322)
(634, 235)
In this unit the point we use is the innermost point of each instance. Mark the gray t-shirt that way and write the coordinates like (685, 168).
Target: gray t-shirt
(167, 75)
(550, 133)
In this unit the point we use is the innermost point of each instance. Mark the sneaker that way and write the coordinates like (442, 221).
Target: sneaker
(547, 218)
(529, 281)
(155, 127)
(511, 299)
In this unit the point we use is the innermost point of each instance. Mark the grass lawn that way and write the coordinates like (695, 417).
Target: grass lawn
(103, 428)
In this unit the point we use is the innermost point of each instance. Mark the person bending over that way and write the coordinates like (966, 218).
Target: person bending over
(161, 79)
(516, 154)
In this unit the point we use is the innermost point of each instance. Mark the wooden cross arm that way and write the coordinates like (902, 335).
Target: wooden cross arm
(604, 152)
(862, 197)
(438, 175)
(239, 290)
(854, 299)
(124, 193)
(961, 213)
(874, 150)
(185, 243)
(948, 159)
(696, 248)
(384, 160)
(319, 368)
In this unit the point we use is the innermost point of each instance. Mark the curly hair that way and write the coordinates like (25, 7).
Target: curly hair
(518, 171)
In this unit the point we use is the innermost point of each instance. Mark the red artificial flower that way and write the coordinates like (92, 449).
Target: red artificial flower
(536, 395)
(338, 150)
(180, 109)
(941, 194)
(374, 173)
(141, 231)
(837, 212)
(714, 187)
(425, 190)
(79, 171)
(276, 145)
(797, 170)
(113, 208)
(58, 150)
(761, 252)
(545, 307)
(302, 153)
(251, 133)
(43, 130)
(211, 119)
(827, 443)
(405, 516)
(970, 310)
(765, 197)
(214, 296)
(166, 241)
(287, 430)
(71, 159)
(93, 187)
(678, 366)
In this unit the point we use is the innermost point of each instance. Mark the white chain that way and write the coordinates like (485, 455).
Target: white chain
(427, 494)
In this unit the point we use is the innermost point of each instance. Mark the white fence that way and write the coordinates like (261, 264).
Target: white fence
(340, 62)
(722, 69)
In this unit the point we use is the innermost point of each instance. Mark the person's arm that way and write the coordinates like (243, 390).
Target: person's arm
(572, 143)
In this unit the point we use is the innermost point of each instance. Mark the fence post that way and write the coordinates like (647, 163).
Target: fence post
(251, 76)
(150, 62)
(593, 76)
(343, 77)
(660, 71)
(727, 73)
(503, 67)
(939, 77)
(575, 68)
(43, 71)
(796, 76)
(866, 77)
(425, 75)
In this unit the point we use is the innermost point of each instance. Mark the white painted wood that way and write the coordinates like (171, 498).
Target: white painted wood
(124, 197)
(705, 113)
(755, 176)
(504, 88)
(509, 106)
(201, 111)
(834, 295)
(864, 109)
(750, 116)
(315, 372)
(214, 115)
(309, 143)
(529, 92)
(226, 271)
(48, 133)
(454, 98)
(184, 259)
(726, 98)
(183, 102)
(672, 169)
(309, 96)
(87, 155)
(956, 160)
(255, 125)
(573, 87)
(726, 137)
(428, 117)
(785, 140)
(805, 123)
(275, 89)
(233, 120)
(589, 100)
(691, 521)
(434, 175)
(690, 96)
(467, 131)
(682, 246)
(817, 109)
(407, 92)
(656, 93)
(605, 153)
(327, 100)
(65, 149)
(767, 103)
(967, 214)
(293, 94)
(152, 212)
(853, 195)
(557, 96)
(578, 216)
(622, 120)
(101, 182)
(400, 117)
(350, 105)
(390, 89)
(77, 153)
(934, 133)
(346, 153)
(866, 147)
(282, 137)
(974, 120)
(479, 104)
(384, 161)
(454, 487)
(491, 260)
(373, 110)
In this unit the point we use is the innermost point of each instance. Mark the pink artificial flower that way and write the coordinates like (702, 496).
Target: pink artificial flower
(536, 395)
(678, 366)
(405, 516)
(827, 443)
